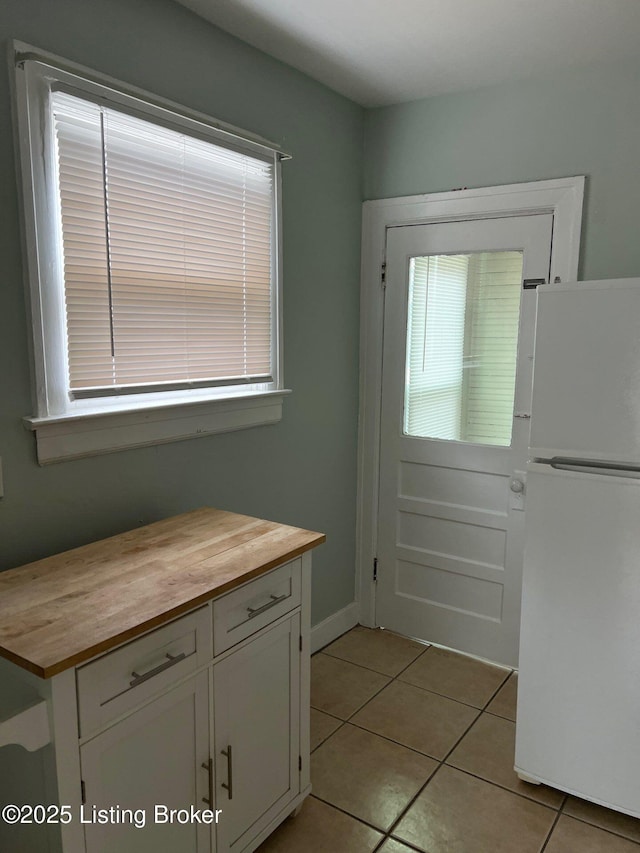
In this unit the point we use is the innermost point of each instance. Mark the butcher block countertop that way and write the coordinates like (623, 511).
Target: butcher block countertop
(61, 611)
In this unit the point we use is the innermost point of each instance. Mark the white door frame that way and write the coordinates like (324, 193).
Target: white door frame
(563, 197)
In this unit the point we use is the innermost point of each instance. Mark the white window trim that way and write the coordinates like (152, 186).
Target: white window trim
(69, 430)
(89, 435)
(562, 197)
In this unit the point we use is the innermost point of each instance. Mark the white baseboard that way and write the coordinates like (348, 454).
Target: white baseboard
(333, 626)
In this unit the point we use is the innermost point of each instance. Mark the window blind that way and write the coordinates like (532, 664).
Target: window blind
(462, 346)
(493, 317)
(167, 246)
(435, 346)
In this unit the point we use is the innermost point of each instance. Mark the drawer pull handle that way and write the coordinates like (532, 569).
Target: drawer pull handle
(208, 766)
(139, 678)
(256, 611)
(229, 784)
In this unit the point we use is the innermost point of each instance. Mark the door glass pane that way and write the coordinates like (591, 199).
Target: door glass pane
(462, 344)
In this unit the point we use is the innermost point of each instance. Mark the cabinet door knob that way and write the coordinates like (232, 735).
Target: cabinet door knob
(229, 784)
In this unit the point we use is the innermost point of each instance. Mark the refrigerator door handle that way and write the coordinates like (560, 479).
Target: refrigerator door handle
(593, 466)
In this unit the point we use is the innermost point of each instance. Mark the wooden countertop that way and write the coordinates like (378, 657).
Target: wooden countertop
(60, 611)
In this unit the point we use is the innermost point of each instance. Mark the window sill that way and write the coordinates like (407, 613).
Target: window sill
(89, 434)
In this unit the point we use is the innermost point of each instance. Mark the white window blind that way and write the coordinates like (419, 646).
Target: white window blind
(493, 315)
(435, 346)
(462, 345)
(168, 255)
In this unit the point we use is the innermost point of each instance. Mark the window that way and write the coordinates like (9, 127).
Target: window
(462, 342)
(152, 238)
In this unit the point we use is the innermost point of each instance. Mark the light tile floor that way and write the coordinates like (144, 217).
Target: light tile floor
(413, 750)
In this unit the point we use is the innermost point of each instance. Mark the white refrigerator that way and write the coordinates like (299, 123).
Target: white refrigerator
(578, 718)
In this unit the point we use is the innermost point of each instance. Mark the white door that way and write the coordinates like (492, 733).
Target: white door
(456, 393)
(256, 701)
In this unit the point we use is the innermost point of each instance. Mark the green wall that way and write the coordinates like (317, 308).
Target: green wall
(579, 122)
(301, 471)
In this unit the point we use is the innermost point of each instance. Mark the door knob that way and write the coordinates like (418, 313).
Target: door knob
(516, 486)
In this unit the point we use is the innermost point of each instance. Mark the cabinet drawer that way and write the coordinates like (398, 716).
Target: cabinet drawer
(244, 611)
(110, 685)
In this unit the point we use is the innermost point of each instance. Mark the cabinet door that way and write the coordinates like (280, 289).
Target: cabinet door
(256, 698)
(152, 758)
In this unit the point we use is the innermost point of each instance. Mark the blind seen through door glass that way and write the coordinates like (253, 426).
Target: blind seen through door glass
(462, 345)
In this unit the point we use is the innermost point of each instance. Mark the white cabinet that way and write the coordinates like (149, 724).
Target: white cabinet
(243, 713)
(152, 757)
(210, 711)
(246, 610)
(147, 744)
(256, 725)
(113, 684)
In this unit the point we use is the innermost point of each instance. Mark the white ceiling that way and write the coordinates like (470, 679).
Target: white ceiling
(387, 51)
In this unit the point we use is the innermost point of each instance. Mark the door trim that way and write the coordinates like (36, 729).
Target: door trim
(563, 197)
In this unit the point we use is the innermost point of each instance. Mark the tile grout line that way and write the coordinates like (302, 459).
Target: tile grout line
(413, 749)
(337, 729)
(417, 687)
(481, 712)
(348, 814)
(359, 708)
(480, 778)
(324, 740)
(427, 646)
(615, 832)
(499, 716)
(388, 834)
(553, 825)
(441, 763)
(327, 714)
(443, 696)
(370, 668)
(408, 844)
(504, 788)
(559, 810)
(391, 740)
(395, 742)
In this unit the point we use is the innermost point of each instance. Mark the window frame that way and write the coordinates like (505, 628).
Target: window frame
(67, 427)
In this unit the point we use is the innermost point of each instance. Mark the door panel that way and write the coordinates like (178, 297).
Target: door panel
(256, 703)
(152, 757)
(457, 368)
(436, 483)
(463, 593)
